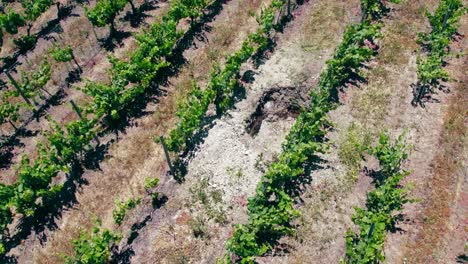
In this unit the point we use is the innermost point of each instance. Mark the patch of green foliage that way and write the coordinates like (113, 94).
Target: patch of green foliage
(382, 206)
(121, 209)
(444, 23)
(64, 54)
(93, 248)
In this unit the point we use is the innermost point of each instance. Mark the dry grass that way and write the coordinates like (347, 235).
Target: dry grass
(329, 18)
(351, 147)
(435, 240)
(325, 218)
(370, 105)
(448, 164)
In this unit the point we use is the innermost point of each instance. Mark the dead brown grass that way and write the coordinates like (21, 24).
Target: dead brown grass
(328, 18)
(449, 168)
(371, 104)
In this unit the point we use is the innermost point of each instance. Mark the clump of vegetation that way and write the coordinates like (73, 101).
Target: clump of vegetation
(210, 199)
(373, 10)
(11, 21)
(188, 8)
(260, 163)
(94, 247)
(237, 174)
(33, 9)
(105, 12)
(31, 85)
(354, 144)
(9, 112)
(121, 209)
(151, 183)
(199, 228)
(64, 54)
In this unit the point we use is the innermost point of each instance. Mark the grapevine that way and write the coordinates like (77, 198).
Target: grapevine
(105, 12)
(121, 209)
(11, 21)
(64, 54)
(379, 216)
(33, 9)
(94, 247)
(444, 23)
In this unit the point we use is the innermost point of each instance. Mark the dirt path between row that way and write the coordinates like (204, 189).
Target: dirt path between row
(436, 227)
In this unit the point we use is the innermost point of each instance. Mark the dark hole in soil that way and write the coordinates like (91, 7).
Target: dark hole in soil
(277, 103)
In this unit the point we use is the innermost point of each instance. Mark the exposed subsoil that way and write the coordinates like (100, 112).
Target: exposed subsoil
(275, 104)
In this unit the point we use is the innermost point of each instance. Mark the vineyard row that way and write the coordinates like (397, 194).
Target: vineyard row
(444, 24)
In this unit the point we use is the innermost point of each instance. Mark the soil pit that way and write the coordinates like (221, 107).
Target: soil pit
(277, 103)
